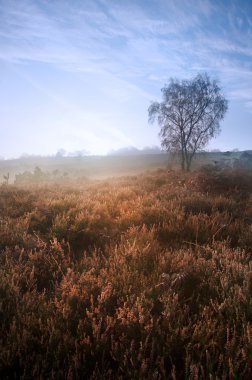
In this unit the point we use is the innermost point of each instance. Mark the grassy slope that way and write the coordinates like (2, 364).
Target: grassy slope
(147, 276)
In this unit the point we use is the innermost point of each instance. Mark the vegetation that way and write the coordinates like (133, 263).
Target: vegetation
(61, 169)
(146, 277)
(53, 169)
(189, 115)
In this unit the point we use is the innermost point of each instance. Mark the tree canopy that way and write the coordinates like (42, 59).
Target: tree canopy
(189, 115)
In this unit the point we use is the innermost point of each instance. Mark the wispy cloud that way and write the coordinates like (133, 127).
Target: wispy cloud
(130, 47)
(118, 36)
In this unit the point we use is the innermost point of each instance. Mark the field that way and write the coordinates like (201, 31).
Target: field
(92, 167)
(100, 167)
(147, 276)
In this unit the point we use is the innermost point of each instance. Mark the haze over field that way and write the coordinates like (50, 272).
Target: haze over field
(80, 75)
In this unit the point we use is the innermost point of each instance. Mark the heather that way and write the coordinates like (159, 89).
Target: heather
(140, 277)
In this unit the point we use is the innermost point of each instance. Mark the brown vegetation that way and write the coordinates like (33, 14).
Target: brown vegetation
(146, 277)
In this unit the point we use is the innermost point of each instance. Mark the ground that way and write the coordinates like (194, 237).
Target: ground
(146, 276)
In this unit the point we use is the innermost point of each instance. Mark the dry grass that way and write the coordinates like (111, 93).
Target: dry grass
(146, 277)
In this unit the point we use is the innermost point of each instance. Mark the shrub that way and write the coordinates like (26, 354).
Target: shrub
(132, 278)
(236, 182)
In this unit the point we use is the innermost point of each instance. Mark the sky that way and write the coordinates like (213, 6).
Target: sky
(81, 74)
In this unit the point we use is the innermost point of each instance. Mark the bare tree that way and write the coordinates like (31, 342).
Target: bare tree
(189, 115)
(6, 178)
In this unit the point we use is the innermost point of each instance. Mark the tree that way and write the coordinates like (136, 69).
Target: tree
(6, 178)
(189, 115)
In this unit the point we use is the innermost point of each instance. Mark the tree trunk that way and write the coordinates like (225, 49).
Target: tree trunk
(182, 160)
(188, 161)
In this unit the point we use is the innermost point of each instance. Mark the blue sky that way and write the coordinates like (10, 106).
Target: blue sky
(80, 75)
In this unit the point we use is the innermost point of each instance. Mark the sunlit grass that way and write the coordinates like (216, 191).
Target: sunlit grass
(129, 278)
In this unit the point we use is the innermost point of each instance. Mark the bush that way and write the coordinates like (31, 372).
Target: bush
(132, 278)
(235, 182)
